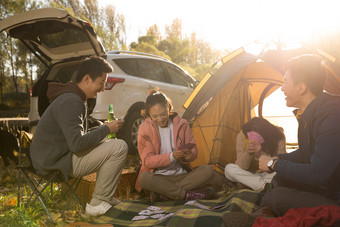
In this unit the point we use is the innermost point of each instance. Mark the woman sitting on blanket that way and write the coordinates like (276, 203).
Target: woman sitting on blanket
(166, 147)
(258, 136)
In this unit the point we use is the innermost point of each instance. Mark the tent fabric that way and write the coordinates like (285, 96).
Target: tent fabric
(225, 100)
(209, 88)
(215, 129)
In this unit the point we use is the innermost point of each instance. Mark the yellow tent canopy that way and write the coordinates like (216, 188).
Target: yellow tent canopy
(222, 102)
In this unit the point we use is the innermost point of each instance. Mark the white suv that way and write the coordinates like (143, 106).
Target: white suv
(61, 41)
(128, 85)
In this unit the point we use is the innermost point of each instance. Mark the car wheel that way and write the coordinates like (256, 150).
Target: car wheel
(133, 121)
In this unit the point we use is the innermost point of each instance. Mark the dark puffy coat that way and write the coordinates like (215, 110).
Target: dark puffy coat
(317, 161)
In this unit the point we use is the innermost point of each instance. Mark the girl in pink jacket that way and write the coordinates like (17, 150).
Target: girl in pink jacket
(166, 147)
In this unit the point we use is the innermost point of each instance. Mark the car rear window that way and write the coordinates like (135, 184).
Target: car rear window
(50, 33)
(63, 38)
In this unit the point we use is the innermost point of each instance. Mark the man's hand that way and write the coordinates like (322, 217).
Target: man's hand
(114, 126)
(253, 147)
(263, 161)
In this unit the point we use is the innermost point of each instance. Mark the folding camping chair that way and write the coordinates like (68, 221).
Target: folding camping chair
(35, 181)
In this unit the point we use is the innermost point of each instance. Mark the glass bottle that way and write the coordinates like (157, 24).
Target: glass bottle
(111, 117)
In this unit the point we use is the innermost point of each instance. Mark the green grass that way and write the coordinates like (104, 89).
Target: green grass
(34, 214)
(19, 217)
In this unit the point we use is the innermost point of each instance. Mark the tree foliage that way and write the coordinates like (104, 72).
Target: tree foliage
(15, 58)
(192, 53)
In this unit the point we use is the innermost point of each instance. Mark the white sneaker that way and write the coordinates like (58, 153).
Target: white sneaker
(97, 210)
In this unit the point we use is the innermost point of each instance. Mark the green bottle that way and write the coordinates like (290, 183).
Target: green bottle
(111, 117)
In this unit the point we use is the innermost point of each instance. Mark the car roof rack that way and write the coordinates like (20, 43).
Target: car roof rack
(135, 53)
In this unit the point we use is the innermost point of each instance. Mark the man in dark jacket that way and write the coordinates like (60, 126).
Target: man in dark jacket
(309, 176)
(61, 140)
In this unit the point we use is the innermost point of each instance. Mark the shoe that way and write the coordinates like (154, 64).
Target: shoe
(203, 193)
(97, 210)
(155, 197)
(238, 219)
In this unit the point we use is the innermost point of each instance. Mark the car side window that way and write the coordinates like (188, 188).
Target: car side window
(128, 65)
(178, 76)
(151, 69)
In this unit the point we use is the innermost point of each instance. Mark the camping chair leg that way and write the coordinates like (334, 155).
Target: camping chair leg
(18, 168)
(43, 189)
(73, 191)
(28, 200)
(73, 194)
(37, 193)
(19, 186)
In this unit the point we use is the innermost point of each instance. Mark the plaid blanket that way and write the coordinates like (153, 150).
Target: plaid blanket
(200, 213)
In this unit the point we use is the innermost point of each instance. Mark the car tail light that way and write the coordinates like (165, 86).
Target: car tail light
(31, 91)
(112, 81)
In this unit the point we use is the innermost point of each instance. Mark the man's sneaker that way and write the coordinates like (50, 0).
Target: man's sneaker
(203, 193)
(97, 210)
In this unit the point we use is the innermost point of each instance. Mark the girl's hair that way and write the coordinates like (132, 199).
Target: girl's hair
(156, 97)
(271, 134)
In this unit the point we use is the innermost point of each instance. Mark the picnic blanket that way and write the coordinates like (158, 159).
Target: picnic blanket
(199, 213)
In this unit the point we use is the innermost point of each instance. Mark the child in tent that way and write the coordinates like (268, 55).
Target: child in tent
(258, 136)
(166, 147)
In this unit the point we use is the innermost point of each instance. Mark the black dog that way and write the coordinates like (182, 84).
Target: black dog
(8, 143)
